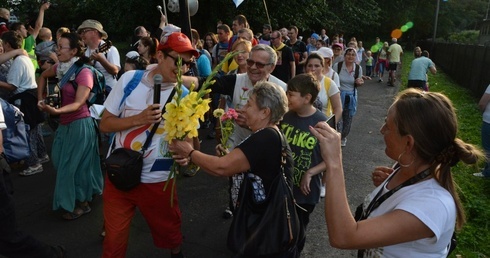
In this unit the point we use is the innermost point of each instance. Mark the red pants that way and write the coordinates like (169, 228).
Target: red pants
(154, 204)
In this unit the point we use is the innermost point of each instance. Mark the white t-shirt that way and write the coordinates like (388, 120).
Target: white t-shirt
(486, 113)
(240, 99)
(157, 160)
(323, 96)
(112, 57)
(22, 74)
(431, 204)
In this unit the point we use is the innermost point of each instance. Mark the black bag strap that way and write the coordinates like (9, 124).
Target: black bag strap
(155, 126)
(379, 199)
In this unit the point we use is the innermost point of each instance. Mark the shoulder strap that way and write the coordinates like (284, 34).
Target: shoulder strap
(326, 83)
(339, 66)
(74, 67)
(138, 75)
(356, 73)
(155, 126)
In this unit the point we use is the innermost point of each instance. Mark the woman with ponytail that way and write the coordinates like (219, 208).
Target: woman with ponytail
(415, 208)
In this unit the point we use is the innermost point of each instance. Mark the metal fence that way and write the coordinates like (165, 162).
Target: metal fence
(468, 65)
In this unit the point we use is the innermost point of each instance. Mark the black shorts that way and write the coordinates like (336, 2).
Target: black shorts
(393, 67)
(416, 84)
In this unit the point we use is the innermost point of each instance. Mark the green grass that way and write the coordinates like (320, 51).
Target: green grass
(474, 238)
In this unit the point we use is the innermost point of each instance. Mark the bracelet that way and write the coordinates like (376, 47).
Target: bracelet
(190, 155)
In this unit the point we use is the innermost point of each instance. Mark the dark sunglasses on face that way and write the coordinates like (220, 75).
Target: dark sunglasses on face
(176, 60)
(259, 65)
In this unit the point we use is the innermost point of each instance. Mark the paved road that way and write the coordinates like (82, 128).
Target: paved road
(203, 198)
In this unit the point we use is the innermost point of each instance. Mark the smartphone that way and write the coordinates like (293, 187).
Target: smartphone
(331, 122)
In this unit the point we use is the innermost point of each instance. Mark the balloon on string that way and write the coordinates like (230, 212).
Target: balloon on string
(409, 24)
(404, 28)
(396, 33)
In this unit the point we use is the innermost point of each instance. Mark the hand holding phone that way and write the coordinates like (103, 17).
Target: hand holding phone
(331, 122)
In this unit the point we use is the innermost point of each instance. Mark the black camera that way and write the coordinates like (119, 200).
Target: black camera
(53, 100)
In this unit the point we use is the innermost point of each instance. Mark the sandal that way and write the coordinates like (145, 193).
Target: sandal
(77, 213)
(73, 215)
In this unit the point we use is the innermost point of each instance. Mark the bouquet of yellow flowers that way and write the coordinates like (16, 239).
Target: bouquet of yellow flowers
(226, 123)
(183, 113)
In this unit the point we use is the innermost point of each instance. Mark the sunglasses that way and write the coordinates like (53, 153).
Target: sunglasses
(176, 60)
(259, 65)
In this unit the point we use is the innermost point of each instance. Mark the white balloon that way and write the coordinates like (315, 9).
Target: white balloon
(173, 6)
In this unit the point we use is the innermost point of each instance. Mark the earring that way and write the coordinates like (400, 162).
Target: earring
(405, 165)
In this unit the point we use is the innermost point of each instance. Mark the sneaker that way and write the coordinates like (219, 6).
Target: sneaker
(322, 191)
(380, 80)
(44, 159)
(32, 170)
(227, 214)
(480, 174)
(343, 142)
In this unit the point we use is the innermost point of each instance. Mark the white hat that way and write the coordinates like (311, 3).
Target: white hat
(325, 52)
(132, 55)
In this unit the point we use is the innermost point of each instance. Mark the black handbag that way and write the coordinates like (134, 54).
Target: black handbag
(271, 226)
(124, 166)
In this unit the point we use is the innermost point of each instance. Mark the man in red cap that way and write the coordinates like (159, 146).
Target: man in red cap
(131, 116)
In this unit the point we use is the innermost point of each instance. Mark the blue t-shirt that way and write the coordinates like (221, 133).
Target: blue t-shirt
(419, 67)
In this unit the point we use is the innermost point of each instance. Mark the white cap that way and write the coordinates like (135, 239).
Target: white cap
(132, 54)
(325, 52)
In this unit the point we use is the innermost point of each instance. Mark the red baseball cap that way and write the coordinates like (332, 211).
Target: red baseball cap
(179, 43)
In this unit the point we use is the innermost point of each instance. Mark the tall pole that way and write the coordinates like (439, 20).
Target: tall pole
(185, 19)
(488, 7)
(435, 21)
(435, 26)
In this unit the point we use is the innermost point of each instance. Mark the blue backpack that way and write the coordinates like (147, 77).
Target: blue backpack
(97, 93)
(15, 136)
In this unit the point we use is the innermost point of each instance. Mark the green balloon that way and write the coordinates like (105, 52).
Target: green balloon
(374, 48)
(409, 24)
(404, 28)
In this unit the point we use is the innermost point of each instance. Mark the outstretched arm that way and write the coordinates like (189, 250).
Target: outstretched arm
(40, 20)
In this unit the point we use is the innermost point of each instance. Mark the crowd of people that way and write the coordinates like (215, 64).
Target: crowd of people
(279, 85)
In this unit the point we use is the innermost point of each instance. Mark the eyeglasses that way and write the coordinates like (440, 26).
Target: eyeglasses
(85, 30)
(61, 47)
(176, 60)
(259, 65)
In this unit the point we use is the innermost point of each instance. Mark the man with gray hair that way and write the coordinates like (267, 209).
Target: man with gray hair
(260, 65)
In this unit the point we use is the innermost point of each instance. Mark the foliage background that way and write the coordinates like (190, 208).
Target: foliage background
(363, 19)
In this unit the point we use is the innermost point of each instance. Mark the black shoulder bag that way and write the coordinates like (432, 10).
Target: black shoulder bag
(270, 226)
(124, 166)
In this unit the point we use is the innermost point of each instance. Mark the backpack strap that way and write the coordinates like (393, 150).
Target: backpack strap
(326, 83)
(356, 73)
(339, 66)
(138, 75)
(73, 68)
